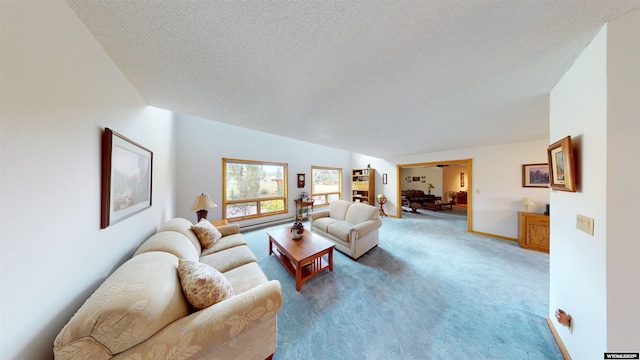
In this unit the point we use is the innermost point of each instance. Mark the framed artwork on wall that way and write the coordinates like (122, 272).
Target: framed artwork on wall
(384, 178)
(535, 175)
(561, 165)
(461, 180)
(126, 178)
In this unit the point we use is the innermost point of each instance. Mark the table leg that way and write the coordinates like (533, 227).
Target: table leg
(331, 259)
(298, 276)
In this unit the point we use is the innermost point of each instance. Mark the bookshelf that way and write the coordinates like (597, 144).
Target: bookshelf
(363, 185)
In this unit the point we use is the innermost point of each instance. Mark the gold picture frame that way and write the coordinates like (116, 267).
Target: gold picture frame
(562, 165)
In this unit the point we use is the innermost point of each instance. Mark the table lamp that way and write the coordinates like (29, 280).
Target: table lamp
(200, 206)
(527, 202)
(429, 187)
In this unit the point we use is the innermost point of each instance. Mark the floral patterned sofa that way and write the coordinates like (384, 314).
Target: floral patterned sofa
(180, 296)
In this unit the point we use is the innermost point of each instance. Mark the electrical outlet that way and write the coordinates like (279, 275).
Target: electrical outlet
(584, 224)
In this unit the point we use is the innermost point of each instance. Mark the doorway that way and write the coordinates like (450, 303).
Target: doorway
(441, 177)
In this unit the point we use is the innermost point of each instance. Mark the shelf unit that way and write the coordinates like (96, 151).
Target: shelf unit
(363, 185)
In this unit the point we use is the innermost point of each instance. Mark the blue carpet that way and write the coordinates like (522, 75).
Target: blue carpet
(430, 290)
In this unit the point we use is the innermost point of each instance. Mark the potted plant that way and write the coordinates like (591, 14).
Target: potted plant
(297, 229)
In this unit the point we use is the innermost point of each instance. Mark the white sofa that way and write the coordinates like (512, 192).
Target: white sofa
(140, 311)
(353, 227)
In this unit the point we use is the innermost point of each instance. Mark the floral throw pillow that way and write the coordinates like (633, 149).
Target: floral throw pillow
(203, 285)
(207, 233)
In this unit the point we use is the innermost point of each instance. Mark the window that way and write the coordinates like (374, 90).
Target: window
(326, 185)
(253, 189)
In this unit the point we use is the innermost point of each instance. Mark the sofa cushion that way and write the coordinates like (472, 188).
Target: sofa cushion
(226, 242)
(207, 233)
(340, 229)
(141, 297)
(182, 226)
(246, 277)
(203, 285)
(228, 259)
(172, 242)
(323, 223)
(359, 213)
(338, 209)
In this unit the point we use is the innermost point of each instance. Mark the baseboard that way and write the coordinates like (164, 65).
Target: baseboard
(495, 236)
(556, 336)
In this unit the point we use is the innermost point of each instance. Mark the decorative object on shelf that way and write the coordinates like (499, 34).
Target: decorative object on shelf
(382, 199)
(561, 165)
(297, 229)
(126, 178)
(535, 175)
(200, 206)
(301, 180)
(527, 202)
(429, 187)
(304, 196)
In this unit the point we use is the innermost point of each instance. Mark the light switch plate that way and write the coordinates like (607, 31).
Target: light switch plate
(584, 224)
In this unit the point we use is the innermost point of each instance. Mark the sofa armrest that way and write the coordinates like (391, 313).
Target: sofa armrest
(362, 229)
(214, 325)
(317, 215)
(229, 229)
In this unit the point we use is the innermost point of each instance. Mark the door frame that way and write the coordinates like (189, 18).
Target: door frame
(467, 162)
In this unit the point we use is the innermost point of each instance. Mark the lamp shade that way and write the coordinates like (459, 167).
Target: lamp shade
(430, 186)
(527, 202)
(203, 202)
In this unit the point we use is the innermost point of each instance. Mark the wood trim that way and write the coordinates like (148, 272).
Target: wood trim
(494, 235)
(556, 336)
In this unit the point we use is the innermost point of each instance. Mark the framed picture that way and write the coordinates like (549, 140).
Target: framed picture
(416, 178)
(535, 175)
(301, 180)
(461, 180)
(126, 178)
(384, 178)
(561, 165)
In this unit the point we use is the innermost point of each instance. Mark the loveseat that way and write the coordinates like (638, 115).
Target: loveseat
(353, 227)
(142, 311)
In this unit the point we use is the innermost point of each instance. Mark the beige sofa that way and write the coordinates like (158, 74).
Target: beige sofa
(353, 227)
(140, 311)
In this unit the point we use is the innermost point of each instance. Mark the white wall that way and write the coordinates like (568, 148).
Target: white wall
(203, 143)
(591, 276)
(623, 179)
(59, 90)
(577, 260)
(497, 182)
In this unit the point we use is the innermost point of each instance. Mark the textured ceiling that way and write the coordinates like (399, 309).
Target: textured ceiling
(382, 78)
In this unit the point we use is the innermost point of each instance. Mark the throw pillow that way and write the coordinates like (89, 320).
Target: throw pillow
(203, 285)
(206, 233)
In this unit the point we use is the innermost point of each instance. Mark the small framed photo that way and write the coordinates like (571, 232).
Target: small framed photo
(561, 165)
(126, 178)
(535, 175)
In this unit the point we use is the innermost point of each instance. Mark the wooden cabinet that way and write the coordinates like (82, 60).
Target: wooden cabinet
(363, 186)
(533, 231)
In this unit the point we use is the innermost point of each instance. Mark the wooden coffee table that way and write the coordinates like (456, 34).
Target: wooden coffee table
(304, 257)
